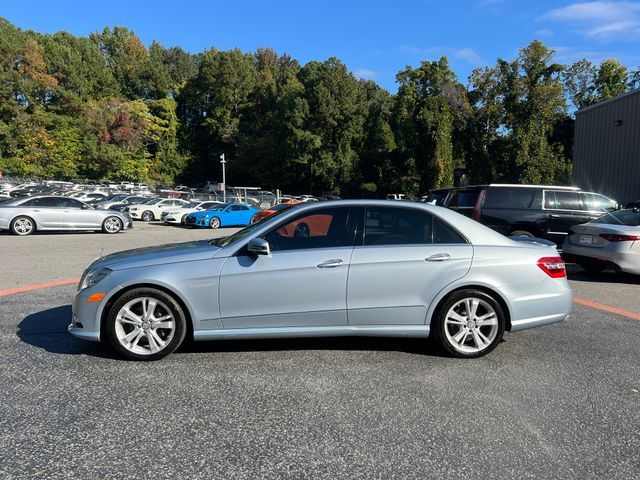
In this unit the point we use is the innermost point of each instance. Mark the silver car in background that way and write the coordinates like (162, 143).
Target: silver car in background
(369, 268)
(609, 242)
(24, 216)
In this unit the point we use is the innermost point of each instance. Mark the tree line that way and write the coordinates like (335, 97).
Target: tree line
(106, 106)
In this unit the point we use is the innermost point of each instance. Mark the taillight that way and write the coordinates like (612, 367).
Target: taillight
(612, 237)
(553, 266)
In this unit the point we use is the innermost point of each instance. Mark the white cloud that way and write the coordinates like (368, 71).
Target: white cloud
(469, 55)
(567, 55)
(365, 73)
(600, 20)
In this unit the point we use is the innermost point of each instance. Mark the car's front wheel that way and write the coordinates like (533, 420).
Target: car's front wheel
(146, 324)
(469, 324)
(214, 222)
(112, 225)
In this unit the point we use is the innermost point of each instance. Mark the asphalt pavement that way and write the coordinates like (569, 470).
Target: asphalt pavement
(561, 401)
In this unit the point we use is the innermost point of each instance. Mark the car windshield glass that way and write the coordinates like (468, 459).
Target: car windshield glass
(216, 207)
(190, 205)
(630, 218)
(153, 201)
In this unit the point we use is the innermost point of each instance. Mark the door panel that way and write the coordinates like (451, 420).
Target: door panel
(48, 217)
(396, 284)
(78, 218)
(285, 289)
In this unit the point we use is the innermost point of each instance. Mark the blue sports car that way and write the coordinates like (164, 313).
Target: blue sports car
(224, 215)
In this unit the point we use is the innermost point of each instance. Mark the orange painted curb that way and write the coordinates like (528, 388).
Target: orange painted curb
(607, 308)
(38, 286)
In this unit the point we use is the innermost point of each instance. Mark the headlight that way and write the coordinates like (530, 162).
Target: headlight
(92, 277)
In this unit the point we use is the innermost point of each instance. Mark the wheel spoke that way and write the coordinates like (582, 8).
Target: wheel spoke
(131, 335)
(456, 316)
(153, 346)
(472, 307)
(483, 337)
(157, 338)
(478, 341)
(163, 325)
(151, 308)
(461, 336)
(488, 319)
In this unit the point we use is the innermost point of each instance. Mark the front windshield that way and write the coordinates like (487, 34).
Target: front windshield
(630, 218)
(153, 201)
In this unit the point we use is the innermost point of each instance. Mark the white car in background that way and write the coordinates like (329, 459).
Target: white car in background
(177, 216)
(152, 210)
(609, 242)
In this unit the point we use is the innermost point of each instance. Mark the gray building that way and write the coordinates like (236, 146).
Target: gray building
(606, 149)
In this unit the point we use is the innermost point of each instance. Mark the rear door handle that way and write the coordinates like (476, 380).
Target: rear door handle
(336, 262)
(438, 257)
(554, 216)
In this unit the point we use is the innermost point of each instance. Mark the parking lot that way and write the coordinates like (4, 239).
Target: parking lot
(561, 401)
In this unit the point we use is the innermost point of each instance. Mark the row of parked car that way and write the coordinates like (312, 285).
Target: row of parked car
(591, 228)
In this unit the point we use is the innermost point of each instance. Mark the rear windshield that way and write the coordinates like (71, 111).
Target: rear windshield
(464, 198)
(509, 198)
(623, 217)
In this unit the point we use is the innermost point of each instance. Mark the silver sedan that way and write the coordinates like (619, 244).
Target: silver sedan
(609, 242)
(370, 268)
(24, 216)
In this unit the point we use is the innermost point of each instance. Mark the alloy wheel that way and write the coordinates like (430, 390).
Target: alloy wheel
(112, 225)
(145, 326)
(214, 223)
(23, 226)
(471, 325)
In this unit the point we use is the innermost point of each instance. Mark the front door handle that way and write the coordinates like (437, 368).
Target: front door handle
(336, 262)
(438, 257)
(554, 216)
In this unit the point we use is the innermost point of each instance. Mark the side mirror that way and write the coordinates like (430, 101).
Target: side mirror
(258, 246)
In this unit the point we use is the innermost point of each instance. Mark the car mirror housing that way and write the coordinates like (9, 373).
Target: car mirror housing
(258, 246)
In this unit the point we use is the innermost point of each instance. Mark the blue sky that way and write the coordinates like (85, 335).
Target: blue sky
(375, 38)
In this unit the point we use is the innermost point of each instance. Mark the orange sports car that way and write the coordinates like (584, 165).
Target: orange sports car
(271, 210)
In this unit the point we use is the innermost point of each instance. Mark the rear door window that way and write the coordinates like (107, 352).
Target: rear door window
(396, 226)
(561, 200)
(503, 197)
(598, 203)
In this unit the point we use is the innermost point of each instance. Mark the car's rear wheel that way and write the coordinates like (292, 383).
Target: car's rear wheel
(214, 222)
(522, 233)
(146, 324)
(112, 225)
(184, 218)
(23, 226)
(147, 216)
(469, 324)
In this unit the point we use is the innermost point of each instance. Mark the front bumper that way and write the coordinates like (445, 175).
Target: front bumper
(85, 319)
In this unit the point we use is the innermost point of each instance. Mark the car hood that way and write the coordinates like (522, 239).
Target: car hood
(158, 255)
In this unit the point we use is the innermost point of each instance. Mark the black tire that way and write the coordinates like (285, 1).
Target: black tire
(23, 226)
(147, 216)
(438, 326)
(522, 233)
(108, 228)
(184, 219)
(175, 309)
(214, 222)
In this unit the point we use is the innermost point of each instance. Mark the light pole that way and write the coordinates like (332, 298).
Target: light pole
(224, 179)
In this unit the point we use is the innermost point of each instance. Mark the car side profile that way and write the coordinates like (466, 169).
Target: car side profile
(24, 216)
(223, 215)
(543, 211)
(177, 216)
(152, 209)
(368, 268)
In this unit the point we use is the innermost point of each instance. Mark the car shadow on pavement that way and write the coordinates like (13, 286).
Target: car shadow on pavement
(415, 346)
(604, 277)
(48, 330)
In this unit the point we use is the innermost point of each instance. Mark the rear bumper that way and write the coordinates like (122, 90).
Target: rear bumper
(621, 259)
(535, 305)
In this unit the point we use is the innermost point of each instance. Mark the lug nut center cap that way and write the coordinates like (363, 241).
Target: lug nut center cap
(471, 324)
(146, 325)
